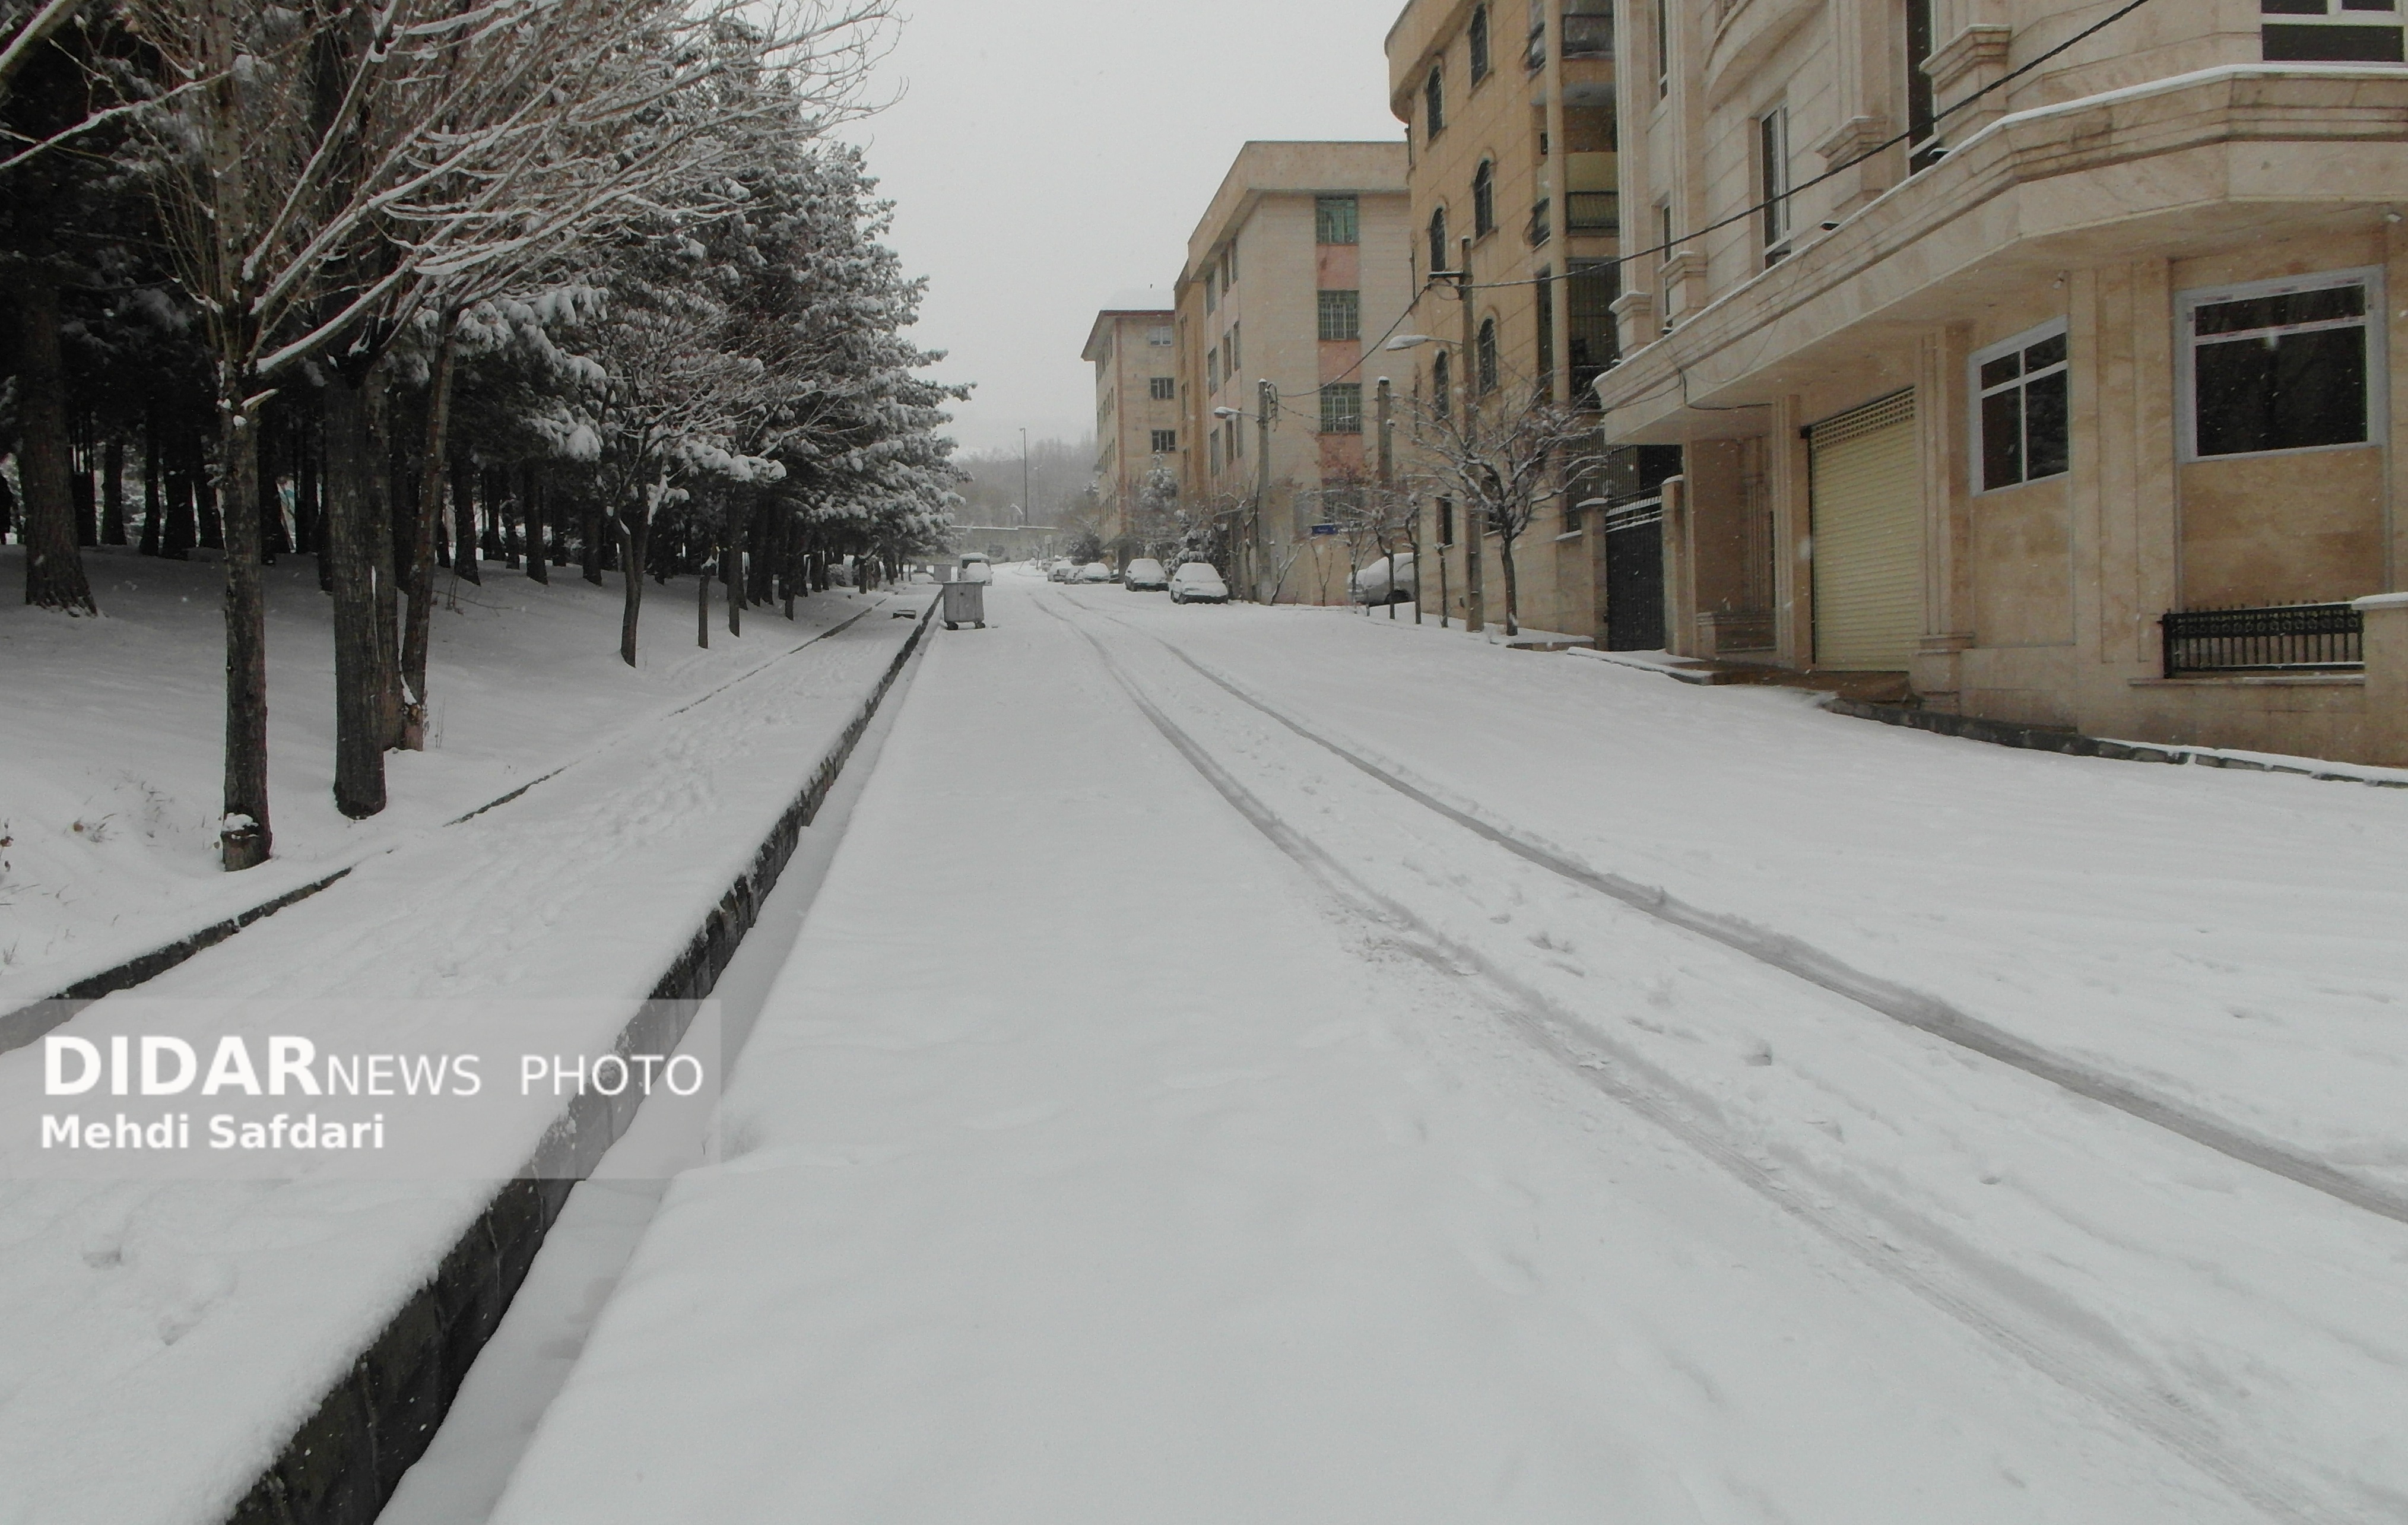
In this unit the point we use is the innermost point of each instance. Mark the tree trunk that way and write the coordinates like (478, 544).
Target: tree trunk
(592, 558)
(273, 540)
(383, 501)
(54, 577)
(205, 495)
(464, 517)
(531, 495)
(112, 490)
(350, 525)
(87, 508)
(242, 833)
(154, 483)
(417, 634)
(631, 562)
(702, 606)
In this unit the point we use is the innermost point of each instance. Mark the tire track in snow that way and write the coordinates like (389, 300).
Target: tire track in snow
(1887, 998)
(1604, 1066)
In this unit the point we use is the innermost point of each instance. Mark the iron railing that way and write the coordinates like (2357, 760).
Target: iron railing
(1592, 211)
(2298, 638)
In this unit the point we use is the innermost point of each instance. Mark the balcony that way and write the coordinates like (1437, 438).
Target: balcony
(1588, 36)
(1591, 212)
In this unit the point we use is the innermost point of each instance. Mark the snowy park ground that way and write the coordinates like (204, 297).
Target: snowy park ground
(195, 1326)
(1212, 1084)
(112, 732)
(1276, 1064)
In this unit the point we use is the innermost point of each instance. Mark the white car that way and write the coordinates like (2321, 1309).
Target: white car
(1386, 581)
(1062, 570)
(1144, 573)
(1196, 583)
(1094, 571)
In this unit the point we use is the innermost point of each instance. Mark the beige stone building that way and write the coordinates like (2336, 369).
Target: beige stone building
(1509, 108)
(2068, 400)
(1131, 345)
(1297, 267)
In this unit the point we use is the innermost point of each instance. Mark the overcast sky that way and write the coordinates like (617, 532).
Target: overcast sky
(1048, 153)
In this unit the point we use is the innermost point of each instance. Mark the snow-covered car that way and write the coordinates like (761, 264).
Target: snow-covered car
(1062, 570)
(1094, 571)
(1386, 581)
(1144, 574)
(1196, 583)
(976, 568)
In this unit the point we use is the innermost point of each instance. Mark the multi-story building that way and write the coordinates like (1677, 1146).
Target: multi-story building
(2043, 364)
(1137, 405)
(1298, 268)
(1509, 108)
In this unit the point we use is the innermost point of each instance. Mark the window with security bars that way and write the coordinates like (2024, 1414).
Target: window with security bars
(1434, 103)
(1335, 220)
(1165, 442)
(1341, 407)
(1487, 354)
(1478, 35)
(1441, 385)
(2278, 366)
(1772, 182)
(1160, 388)
(2330, 31)
(2020, 405)
(1438, 263)
(1342, 314)
(1483, 200)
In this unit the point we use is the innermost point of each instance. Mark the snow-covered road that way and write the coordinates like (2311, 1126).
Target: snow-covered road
(1162, 1116)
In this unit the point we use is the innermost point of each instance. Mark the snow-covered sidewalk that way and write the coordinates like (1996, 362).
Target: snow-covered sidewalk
(193, 1327)
(1098, 1157)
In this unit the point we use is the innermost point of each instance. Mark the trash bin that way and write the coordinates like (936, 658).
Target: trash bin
(965, 604)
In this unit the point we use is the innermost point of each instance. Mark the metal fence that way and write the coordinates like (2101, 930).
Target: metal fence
(2299, 638)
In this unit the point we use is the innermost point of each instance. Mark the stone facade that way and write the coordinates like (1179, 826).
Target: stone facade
(2133, 303)
(1509, 108)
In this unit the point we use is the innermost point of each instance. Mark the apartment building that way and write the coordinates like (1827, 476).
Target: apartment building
(1137, 405)
(1297, 267)
(1509, 108)
(2050, 371)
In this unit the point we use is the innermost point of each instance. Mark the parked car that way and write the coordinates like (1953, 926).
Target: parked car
(1196, 583)
(976, 568)
(1146, 574)
(1062, 570)
(1386, 581)
(1094, 571)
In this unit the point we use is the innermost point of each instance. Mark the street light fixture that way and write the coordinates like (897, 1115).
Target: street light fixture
(1228, 412)
(1410, 341)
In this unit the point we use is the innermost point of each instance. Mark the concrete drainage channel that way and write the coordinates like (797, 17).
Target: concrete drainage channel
(344, 1463)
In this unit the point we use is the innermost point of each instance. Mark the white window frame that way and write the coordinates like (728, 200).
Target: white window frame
(2378, 369)
(1975, 391)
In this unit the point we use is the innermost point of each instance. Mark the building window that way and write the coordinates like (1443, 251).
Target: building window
(1487, 356)
(1341, 407)
(1596, 341)
(1342, 314)
(1663, 48)
(1212, 295)
(2330, 30)
(1212, 369)
(1446, 521)
(1165, 442)
(2020, 417)
(1772, 182)
(1216, 451)
(1477, 33)
(1438, 243)
(1434, 103)
(1923, 148)
(1159, 387)
(1484, 200)
(1159, 339)
(1236, 439)
(1441, 385)
(1335, 219)
(2279, 365)
(1229, 265)
(1545, 292)
(1235, 354)
(1664, 231)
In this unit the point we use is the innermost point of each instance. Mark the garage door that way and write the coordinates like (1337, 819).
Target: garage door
(1867, 490)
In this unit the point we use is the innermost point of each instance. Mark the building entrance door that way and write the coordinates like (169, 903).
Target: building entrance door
(1867, 537)
(1634, 577)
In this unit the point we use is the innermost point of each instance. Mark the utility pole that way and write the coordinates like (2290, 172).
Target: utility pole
(1024, 477)
(1387, 479)
(1265, 403)
(1474, 521)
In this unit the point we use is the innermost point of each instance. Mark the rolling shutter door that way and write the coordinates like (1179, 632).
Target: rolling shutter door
(1867, 491)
